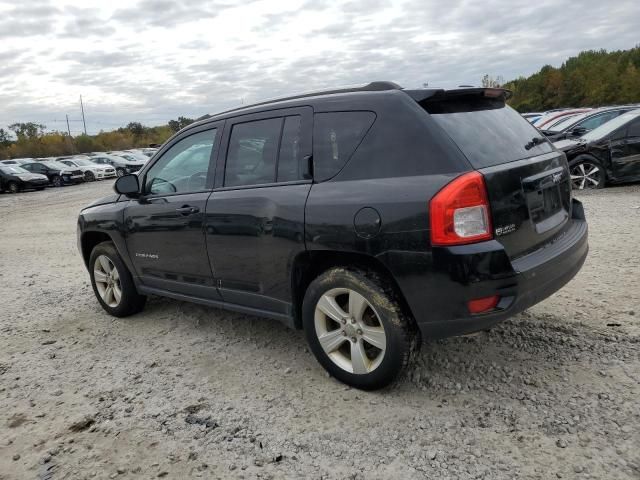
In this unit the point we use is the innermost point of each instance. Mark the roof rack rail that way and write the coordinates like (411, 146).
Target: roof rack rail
(365, 87)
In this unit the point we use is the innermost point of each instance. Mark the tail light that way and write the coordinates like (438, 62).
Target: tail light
(482, 305)
(460, 212)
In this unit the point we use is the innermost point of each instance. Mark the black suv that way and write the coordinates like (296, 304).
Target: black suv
(372, 217)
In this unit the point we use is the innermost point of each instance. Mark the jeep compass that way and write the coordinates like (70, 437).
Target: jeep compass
(373, 217)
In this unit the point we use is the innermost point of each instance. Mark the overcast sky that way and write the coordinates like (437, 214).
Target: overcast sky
(154, 60)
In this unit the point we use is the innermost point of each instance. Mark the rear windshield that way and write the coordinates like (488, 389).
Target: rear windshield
(486, 130)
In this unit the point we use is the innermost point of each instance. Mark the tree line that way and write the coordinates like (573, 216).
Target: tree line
(593, 78)
(30, 140)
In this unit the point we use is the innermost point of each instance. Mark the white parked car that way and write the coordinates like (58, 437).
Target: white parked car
(91, 171)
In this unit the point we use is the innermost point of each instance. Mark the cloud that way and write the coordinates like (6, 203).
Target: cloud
(153, 60)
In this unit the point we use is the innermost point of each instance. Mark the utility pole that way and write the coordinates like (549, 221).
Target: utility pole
(70, 139)
(83, 121)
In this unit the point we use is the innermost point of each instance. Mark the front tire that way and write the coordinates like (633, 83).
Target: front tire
(357, 329)
(112, 282)
(587, 173)
(89, 176)
(13, 187)
(57, 181)
(120, 172)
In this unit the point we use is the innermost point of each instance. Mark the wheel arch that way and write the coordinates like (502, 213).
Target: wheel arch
(89, 240)
(310, 264)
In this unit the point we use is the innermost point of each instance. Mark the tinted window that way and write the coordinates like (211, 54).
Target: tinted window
(252, 153)
(336, 136)
(289, 158)
(634, 129)
(595, 122)
(486, 130)
(184, 167)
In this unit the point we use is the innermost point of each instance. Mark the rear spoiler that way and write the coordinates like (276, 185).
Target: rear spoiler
(442, 94)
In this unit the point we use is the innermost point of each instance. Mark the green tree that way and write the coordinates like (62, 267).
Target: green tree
(177, 125)
(28, 130)
(5, 139)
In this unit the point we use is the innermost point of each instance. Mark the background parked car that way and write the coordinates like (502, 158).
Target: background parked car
(16, 161)
(58, 174)
(14, 179)
(122, 165)
(131, 156)
(551, 118)
(607, 154)
(578, 125)
(92, 171)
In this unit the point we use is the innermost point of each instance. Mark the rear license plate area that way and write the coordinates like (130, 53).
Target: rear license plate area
(543, 193)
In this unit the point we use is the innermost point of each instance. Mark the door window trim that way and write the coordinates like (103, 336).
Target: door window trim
(306, 114)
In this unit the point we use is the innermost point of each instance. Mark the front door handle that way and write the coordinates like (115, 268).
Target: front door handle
(187, 210)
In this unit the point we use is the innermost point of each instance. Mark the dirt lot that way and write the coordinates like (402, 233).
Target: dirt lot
(182, 390)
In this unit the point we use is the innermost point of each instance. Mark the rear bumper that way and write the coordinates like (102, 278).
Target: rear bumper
(438, 298)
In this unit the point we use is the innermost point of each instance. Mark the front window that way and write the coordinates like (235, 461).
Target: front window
(252, 153)
(611, 126)
(184, 167)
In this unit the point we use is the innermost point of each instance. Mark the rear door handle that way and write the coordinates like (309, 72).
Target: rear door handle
(187, 210)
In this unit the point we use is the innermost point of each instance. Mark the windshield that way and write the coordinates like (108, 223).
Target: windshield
(487, 131)
(612, 125)
(13, 170)
(56, 165)
(82, 162)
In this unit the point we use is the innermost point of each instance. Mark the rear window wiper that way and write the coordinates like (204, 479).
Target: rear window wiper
(535, 141)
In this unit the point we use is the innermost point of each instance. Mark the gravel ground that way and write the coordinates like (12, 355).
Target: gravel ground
(182, 390)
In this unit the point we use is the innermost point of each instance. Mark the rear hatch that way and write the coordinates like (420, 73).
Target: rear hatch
(527, 179)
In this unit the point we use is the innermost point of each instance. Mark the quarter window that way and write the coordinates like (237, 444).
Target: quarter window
(336, 136)
(253, 153)
(184, 167)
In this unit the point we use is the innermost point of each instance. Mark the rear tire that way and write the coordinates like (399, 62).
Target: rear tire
(112, 282)
(365, 340)
(587, 173)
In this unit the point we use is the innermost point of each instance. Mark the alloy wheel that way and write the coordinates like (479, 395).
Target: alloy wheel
(350, 331)
(13, 187)
(585, 175)
(120, 172)
(89, 176)
(107, 279)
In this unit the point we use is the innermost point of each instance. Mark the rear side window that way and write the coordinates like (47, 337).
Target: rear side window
(252, 153)
(336, 136)
(486, 130)
(634, 130)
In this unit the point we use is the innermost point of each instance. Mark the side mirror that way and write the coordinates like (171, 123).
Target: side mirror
(578, 131)
(127, 185)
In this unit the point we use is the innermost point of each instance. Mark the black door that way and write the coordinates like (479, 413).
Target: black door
(255, 217)
(164, 228)
(626, 157)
